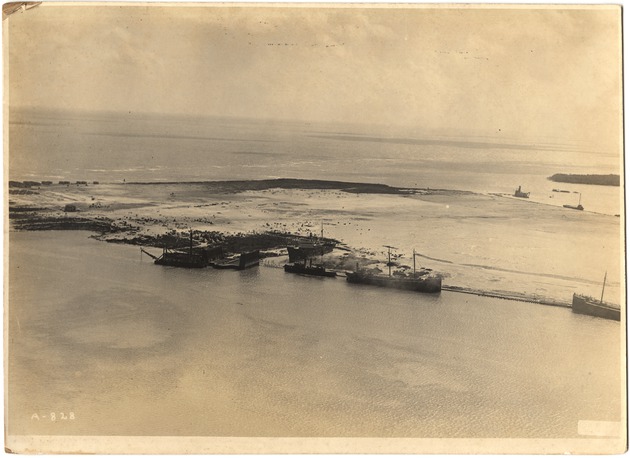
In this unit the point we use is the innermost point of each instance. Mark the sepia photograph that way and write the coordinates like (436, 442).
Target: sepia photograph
(313, 228)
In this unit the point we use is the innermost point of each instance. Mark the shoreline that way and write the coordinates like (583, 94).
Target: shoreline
(231, 186)
(269, 215)
(107, 224)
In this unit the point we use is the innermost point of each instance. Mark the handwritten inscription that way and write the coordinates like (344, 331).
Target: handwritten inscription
(54, 416)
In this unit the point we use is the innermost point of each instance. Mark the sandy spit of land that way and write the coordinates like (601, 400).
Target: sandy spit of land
(479, 243)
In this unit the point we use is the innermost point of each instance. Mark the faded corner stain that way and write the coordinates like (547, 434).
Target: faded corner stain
(9, 8)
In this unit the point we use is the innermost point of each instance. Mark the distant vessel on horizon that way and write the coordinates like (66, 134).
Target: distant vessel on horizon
(575, 207)
(519, 193)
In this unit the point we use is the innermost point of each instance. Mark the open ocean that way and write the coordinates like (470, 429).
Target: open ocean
(134, 147)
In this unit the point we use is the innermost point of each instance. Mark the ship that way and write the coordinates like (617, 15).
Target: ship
(240, 262)
(306, 249)
(586, 305)
(180, 259)
(575, 207)
(519, 193)
(309, 269)
(422, 281)
(310, 247)
(191, 258)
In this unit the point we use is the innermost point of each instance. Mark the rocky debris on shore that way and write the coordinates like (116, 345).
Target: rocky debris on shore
(29, 220)
(231, 243)
(60, 224)
(277, 212)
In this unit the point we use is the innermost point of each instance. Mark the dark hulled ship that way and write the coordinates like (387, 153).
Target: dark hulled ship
(310, 247)
(180, 259)
(309, 269)
(522, 194)
(422, 284)
(306, 249)
(586, 305)
(190, 258)
(576, 207)
(422, 281)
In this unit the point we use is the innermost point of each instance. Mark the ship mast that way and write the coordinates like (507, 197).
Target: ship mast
(414, 262)
(601, 300)
(191, 242)
(389, 257)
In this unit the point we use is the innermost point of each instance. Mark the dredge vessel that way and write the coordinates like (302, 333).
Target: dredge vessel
(191, 258)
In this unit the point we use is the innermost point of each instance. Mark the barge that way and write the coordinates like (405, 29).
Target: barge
(241, 262)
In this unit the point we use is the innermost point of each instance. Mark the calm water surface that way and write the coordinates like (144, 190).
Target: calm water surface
(133, 348)
(114, 147)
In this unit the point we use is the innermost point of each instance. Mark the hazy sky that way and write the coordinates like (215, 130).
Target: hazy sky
(534, 72)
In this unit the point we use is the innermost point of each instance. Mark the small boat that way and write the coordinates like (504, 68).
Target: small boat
(575, 207)
(519, 193)
(309, 269)
(589, 306)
